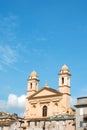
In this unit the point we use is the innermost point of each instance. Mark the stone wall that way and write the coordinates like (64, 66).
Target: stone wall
(53, 125)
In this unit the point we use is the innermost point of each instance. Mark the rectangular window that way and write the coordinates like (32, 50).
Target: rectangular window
(35, 123)
(81, 112)
(81, 123)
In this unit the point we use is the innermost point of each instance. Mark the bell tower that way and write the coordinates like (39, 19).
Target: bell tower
(64, 84)
(33, 82)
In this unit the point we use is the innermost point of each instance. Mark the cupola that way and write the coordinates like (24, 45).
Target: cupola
(33, 75)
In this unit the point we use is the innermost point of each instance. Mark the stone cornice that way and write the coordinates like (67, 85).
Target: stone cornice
(47, 96)
(67, 94)
(64, 74)
(80, 105)
(56, 93)
(65, 86)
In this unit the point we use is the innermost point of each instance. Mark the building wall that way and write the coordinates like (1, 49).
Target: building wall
(4, 128)
(81, 112)
(15, 126)
(55, 106)
(53, 125)
(79, 118)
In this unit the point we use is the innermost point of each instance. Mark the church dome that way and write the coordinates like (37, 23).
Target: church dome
(64, 68)
(33, 74)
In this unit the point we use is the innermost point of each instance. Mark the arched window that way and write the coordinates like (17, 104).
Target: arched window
(44, 111)
(62, 80)
(30, 85)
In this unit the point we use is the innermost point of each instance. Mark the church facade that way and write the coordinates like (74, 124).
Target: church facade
(48, 102)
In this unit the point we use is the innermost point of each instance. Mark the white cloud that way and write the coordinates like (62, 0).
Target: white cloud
(22, 101)
(14, 102)
(8, 26)
(8, 55)
(8, 39)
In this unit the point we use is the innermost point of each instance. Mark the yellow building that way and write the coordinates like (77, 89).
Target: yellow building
(48, 102)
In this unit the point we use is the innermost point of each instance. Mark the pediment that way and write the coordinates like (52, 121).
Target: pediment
(45, 92)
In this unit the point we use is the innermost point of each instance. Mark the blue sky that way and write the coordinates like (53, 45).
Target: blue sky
(41, 35)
